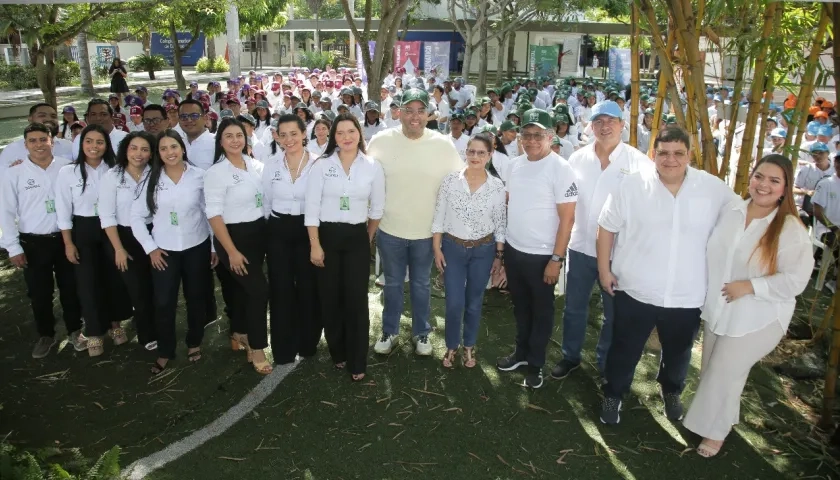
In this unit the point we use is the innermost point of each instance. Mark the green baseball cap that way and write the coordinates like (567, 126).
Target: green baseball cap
(483, 100)
(457, 116)
(669, 119)
(489, 128)
(524, 107)
(555, 140)
(538, 117)
(561, 118)
(507, 126)
(471, 111)
(415, 95)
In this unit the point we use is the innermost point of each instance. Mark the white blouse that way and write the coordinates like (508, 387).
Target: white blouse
(282, 195)
(333, 196)
(318, 150)
(117, 191)
(234, 194)
(470, 215)
(732, 256)
(70, 200)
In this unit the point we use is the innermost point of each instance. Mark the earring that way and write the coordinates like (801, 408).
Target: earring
(781, 199)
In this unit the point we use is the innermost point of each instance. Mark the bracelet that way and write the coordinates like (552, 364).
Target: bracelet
(314, 238)
(500, 254)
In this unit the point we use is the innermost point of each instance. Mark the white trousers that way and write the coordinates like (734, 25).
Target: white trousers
(726, 363)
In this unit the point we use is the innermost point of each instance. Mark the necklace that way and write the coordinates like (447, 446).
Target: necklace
(297, 171)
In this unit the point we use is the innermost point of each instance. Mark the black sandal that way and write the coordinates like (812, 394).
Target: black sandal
(194, 356)
(157, 368)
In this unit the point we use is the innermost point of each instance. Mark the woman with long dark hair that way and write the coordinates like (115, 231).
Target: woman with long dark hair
(305, 114)
(262, 113)
(101, 294)
(754, 275)
(118, 74)
(321, 132)
(118, 190)
(295, 324)
(373, 124)
(68, 118)
(345, 198)
(234, 195)
(178, 245)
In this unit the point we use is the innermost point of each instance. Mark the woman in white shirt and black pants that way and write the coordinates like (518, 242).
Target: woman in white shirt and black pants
(295, 324)
(102, 295)
(178, 246)
(117, 191)
(345, 199)
(233, 193)
(754, 276)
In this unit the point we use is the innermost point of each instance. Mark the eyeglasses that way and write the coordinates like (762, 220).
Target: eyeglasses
(476, 153)
(189, 116)
(412, 112)
(680, 155)
(532, 136)
(152, 121)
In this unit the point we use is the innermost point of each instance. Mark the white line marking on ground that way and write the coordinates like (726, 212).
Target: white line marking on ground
(139, 469)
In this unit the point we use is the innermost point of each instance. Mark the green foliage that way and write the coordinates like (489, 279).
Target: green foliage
(204, 65)
(100, 72)
(323, 59)
(142, 62)
(24, 465)
(23, 77)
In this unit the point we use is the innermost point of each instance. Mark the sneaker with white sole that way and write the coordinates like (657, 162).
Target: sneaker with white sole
(79, 341)
(610, 409)
(42, 347)
(385, 345)
(422, 346)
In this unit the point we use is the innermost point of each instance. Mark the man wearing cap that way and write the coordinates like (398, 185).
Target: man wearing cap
(808, 175)
(777, 139)
(599, 168)
(135, 119)
(541, 211)
(457, 136)
(143, 93)
(826, 201)
(824, 134)
(16, 151)
(415, 160)
(459, 97)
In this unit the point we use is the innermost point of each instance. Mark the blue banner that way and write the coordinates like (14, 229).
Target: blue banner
(162, 45)
(619, 64)
(436, 55)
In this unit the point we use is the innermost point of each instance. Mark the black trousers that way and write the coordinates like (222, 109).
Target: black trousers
(235, 325)
(295, 321)
(633, 323)
(45, 259)
(102, 294)
(342, 290)
(248, 293)
(192, 267)
(533, 304)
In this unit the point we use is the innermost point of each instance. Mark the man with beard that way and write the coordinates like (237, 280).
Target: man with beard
(99, 112)
(16, 152)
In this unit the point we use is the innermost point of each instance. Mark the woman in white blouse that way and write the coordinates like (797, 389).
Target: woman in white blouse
(468, 240)
(102, 296)
(295, 324)
(178, 246)
(321, 129)
(117, 191)
(759, 259)
(345, 198)
(233, 194)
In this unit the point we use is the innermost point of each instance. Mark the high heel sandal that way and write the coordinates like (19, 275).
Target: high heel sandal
(95, 346)
(263, 367)
(449, 358)
(239, 342)
(469, 357)
(119, 336)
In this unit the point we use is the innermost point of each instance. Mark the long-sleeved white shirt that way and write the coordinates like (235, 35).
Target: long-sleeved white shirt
(660, 250)
(234, 194)
(333, 196)
(28, 195)
(282, 195)
(70, 200)
(179, 222)
(731, 256)
(471, 215)
(117, 191)
(200, 152)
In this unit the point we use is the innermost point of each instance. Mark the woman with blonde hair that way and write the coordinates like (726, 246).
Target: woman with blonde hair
(759, 259)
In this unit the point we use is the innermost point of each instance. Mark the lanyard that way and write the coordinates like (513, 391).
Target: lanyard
(297, 171)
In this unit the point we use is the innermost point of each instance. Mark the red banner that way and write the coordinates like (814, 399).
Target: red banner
(407, 55)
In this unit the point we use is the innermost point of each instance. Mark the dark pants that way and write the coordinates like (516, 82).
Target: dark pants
(295, 323)
(236, 325)
(634, 321)
(192, 267)
(138, 282)
(45, 258)
(343, 289)
(249, 292)
(102, 295)
(533, 304)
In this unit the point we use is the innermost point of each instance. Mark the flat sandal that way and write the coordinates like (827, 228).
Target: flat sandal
(449, 359)
(468, 359)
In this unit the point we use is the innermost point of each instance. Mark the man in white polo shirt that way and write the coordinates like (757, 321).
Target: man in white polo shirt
(663, 218)
(599, 168)
(541, 211)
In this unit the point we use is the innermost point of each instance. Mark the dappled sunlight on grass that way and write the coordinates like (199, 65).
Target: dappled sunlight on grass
(591, 429)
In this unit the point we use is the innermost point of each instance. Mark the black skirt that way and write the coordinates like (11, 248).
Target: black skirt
(118, 84)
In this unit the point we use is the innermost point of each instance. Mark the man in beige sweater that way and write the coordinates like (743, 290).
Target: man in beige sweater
(415, 160)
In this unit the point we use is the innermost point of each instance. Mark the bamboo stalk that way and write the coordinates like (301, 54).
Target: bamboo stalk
(816, 335)
(634, 75)
(736, 92)
(826, 420)
(771, 83)
(665, 72)
(836, 22)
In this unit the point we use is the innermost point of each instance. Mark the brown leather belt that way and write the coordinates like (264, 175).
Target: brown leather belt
(471, 243)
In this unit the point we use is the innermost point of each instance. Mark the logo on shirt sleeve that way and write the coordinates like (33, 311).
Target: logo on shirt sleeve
(572, 191)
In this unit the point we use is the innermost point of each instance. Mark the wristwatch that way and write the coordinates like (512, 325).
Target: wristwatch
(557, 258)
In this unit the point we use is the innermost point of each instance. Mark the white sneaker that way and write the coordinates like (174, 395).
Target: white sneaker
(422, 346)
(380, 281)
(385, 344)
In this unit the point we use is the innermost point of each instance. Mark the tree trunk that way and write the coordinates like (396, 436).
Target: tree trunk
(836, 22)
(829, 390)
(317, 33)
(177, 53)
(210, 45)
(634, 75)
(233, 39)
(511, 49)
(482, 53)
(740, 66)
(465, 70)
(45, 71)
(500, 59)
(147, 40)
(85, 74)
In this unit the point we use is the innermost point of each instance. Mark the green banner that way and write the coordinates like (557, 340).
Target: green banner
(544, 60)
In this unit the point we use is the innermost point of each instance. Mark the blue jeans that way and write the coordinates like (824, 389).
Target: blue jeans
(397, 253)
(583, 274)
(465, 279)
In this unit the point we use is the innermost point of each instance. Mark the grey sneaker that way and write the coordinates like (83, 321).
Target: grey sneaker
(563, 369)
(78, 341)
(673, 406)
(42, 348)
(609, 411)
(422, 346)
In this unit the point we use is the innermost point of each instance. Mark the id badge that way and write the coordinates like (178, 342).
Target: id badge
(259, 198)
(50, 204)
(173, 218)
(344, 203)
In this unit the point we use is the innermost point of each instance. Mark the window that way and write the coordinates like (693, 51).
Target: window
(492, 51)
(250, 43)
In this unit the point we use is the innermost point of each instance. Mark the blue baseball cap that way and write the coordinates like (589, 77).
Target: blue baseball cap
(778, 132)
(717, 98)
(607, 107)
(818, 147)
(825, 130)
(813, 127)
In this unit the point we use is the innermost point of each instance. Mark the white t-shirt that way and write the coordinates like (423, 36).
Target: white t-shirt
(827, 196)
(460, 145)
(535, 189)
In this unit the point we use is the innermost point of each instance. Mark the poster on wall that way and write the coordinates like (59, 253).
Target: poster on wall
(360, 61)
(407, 55)
(105, 55)
(544, 60)
(569, 58)
(436, 55)
(162, 45)
(619, 65)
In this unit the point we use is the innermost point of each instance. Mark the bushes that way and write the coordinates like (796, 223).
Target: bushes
(66, 72)
(147, 63)
(321, 60)
(204, 65)
(23, 465)
(22, 77)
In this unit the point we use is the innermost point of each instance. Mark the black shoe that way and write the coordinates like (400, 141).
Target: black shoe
(534, 379)
(563, 369)
(609, 411)
(510, 363)
(673, 406)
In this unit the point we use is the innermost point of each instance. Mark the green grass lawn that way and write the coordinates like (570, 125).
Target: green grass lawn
(410, 418)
